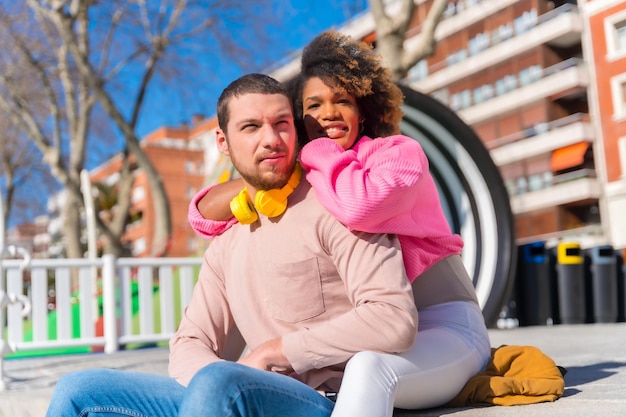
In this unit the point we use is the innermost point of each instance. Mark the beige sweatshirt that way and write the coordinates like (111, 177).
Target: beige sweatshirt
(327, 291)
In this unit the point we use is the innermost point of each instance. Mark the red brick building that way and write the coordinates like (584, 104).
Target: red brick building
(605, 47)
(179, 155)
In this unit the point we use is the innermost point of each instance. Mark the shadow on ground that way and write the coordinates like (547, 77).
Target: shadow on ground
(579, 375)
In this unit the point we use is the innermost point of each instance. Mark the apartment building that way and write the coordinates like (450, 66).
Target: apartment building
(543, 84)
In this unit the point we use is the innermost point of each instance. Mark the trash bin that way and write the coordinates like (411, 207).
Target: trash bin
(604, 284)
(571, 283)
(533, 285)
(621, 287)
(554, 286)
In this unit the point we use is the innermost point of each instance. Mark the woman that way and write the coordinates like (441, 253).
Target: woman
(342, 99)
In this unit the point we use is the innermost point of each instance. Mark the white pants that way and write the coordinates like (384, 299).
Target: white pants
(452, 345)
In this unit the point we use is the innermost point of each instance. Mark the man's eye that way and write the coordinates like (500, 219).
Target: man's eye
(312, 106)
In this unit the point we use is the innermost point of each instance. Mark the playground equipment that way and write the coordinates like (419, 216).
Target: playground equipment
(473, 195)
(7, 299)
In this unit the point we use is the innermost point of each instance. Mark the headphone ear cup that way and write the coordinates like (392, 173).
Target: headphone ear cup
(242, 208)
(271, 203)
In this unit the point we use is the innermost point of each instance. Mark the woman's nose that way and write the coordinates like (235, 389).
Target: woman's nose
(330, 112)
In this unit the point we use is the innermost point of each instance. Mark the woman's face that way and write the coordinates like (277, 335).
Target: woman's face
(329, 113)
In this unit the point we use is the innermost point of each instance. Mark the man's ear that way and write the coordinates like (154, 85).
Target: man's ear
(220, 139)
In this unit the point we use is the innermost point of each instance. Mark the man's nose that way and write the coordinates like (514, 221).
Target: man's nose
(270, 136)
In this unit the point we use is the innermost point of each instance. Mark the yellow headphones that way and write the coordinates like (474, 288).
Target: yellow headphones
(271, 203)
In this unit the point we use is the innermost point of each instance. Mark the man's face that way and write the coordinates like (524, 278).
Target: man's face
(260, 139)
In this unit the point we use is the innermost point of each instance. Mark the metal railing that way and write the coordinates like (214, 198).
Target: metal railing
(99, 304)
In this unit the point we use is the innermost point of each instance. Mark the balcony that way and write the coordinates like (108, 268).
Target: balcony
(588, 237)
(559, 27)
(541, 139)
(472, 14)
(569, 78)
(567, 188)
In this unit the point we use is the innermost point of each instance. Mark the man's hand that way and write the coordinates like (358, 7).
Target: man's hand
(268, 357)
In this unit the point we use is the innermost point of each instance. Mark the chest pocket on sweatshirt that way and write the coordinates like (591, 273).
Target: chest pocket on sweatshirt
(294, 290)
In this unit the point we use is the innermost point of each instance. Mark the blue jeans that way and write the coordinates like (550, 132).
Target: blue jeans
(222, 389)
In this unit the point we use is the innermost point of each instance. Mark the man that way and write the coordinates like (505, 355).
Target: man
(304, 291)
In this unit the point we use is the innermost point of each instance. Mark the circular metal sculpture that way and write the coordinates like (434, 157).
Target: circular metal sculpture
(472, 193)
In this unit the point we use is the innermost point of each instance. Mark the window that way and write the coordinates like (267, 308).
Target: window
(466, 98)
(478, 43)
(524, 77)
(139, 194)
(510, 186)
(418, 71)
(483, 93)
(536, 72)
(190, 192)
(139, 246)
(618, 93)
(547, 178)
(460, 6)
(192, 244)
(521, 185)
(535, 182)
(455, 102)
(620, 38)
(441, 95)
(615, 33)
(529, 75)
(450, 10)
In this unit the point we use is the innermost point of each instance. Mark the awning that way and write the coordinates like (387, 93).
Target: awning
(370, 38)
(569, 156)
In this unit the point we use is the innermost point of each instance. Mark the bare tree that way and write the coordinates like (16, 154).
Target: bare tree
(66, 62)
(24, 176)
(391, 33)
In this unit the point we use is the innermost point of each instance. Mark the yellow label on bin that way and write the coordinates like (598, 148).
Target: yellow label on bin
(569, 253)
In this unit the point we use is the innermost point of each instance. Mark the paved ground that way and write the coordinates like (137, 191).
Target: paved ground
(594, 354)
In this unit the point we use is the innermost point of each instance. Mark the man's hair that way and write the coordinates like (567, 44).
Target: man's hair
(246, 84)
(350, 66)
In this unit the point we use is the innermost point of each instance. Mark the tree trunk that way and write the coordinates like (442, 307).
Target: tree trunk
(71, 226)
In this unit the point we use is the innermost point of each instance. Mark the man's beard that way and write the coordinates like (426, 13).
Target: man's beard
(260, 182)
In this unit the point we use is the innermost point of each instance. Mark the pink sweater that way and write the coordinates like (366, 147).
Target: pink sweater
(377, 186)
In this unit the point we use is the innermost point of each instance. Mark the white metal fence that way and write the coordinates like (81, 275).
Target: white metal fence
(105, 303)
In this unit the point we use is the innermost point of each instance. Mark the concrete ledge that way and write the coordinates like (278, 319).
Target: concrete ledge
(594, 355)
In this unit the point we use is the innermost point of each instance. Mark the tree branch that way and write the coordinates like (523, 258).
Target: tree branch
(391, 34)
(426, 43)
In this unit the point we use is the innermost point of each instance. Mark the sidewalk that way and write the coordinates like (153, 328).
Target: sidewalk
(594, 355)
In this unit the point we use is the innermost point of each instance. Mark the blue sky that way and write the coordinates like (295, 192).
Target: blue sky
(170, 102)
(299, 21)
